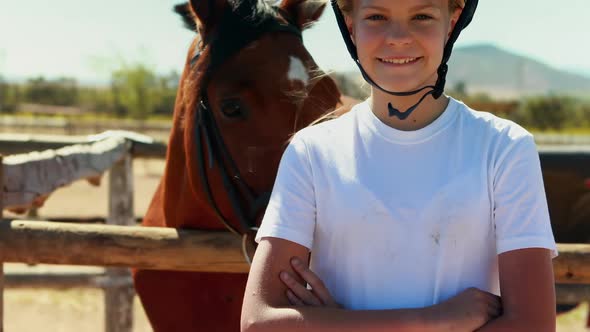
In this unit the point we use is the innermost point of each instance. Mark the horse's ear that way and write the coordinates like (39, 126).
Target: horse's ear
(184, 10)
(208, 13)
(304, 12)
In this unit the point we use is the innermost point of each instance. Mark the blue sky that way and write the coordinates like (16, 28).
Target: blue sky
(85, 39)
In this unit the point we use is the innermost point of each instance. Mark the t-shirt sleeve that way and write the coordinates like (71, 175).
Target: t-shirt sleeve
(521, 216)
(291, 211)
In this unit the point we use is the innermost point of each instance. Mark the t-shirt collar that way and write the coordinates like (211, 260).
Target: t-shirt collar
(367, 116)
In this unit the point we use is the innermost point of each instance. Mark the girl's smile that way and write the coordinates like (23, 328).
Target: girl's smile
(397, 62)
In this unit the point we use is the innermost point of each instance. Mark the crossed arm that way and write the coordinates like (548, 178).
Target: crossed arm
(266, 307)
(273, 303)
(528, 292)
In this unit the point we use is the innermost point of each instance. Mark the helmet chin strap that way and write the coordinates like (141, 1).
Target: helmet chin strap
(435, 90)
(404, 115)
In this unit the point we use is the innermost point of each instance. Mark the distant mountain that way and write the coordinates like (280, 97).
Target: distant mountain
(579, 71)
(500, 73)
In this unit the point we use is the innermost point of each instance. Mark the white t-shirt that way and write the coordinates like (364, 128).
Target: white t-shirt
(407, 219)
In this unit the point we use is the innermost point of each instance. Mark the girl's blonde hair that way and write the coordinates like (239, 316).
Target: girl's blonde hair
(346, 5)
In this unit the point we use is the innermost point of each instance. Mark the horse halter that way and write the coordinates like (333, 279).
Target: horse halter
(435, 90)
(233, 34)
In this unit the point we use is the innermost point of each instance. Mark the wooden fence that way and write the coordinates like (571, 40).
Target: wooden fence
(73, 126)
(30, 176)
(118, 245)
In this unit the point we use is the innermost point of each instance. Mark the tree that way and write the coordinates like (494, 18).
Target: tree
(62, 92)
(9, 96)
(167, 87)
(583, 115)
(97, 99)
(549, 112)
(3, 91)
(135, 90)
(459, 90)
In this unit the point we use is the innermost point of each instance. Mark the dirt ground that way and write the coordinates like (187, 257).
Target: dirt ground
(82, 310)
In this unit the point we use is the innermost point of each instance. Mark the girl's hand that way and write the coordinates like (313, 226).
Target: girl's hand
(299, 295)
(468, 310)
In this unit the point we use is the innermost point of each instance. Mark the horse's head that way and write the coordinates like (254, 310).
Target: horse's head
(248, 77)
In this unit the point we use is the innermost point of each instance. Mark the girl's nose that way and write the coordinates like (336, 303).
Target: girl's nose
(398, 34)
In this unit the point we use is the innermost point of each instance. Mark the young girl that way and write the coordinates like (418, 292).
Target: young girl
(418, 211)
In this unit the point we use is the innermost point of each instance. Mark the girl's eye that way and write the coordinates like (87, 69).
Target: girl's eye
(376, 17)
(422, 17)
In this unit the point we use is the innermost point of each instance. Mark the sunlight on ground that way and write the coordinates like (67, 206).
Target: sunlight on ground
(574, 321)
(78, 310)
(73, 310)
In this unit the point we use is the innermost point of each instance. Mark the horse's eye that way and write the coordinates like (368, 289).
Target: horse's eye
(233, 109)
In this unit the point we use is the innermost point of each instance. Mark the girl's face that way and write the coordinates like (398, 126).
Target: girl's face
(400, 43)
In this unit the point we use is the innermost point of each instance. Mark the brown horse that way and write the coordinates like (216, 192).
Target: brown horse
(248, 84)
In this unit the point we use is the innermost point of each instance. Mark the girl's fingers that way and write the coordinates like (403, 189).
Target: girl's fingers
(294, 300)
(304, 294)
(493, 312)
(495, 302)
(317, 285)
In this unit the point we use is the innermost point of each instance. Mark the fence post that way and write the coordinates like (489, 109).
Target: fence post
(1, 263)
(119, 299)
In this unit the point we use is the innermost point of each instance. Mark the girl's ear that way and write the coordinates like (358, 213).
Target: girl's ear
(350, 27)
(304, 12)
(454, 18)
(208, 14)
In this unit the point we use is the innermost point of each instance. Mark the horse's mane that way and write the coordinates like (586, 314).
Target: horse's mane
(237, 25)
(252, 11)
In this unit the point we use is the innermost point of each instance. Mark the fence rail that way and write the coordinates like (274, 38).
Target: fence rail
(71, 125)
(157, 248)
(23, 143)
(65, 280)
(160, 248)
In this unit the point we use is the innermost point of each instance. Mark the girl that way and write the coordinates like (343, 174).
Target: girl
(418, 211)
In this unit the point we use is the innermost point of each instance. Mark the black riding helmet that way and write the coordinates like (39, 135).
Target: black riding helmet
(437, 89)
